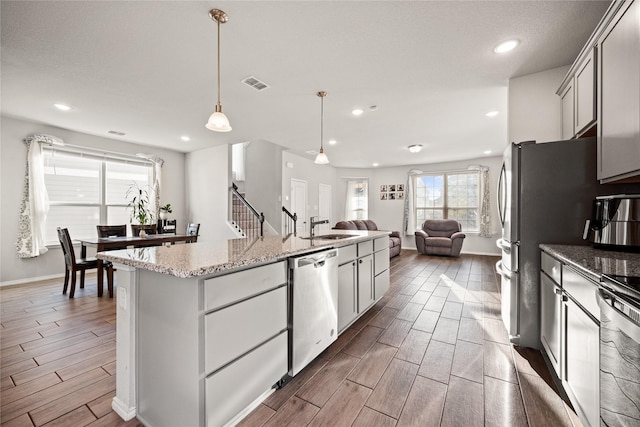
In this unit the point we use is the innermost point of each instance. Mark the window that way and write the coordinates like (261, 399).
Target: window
(449, 195)
(86, 190)
(357, 203)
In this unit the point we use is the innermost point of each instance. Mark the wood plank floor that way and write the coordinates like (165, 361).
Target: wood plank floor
(433, 351)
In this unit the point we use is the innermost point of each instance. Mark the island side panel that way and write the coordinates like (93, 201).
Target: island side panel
(169, 362)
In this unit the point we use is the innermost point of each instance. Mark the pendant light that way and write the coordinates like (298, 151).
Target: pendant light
(218, 121)
(321, 158)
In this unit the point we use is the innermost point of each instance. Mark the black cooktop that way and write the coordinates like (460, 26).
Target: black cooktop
(629, 285)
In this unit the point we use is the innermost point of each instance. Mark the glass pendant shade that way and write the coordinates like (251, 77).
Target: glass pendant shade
(218, 121)
(321, 158)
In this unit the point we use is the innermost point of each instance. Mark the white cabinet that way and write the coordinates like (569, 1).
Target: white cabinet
(363, 278)
(570, 334)
(585, 90)
(347, 294)
(619, 95)
(210, 347)
(551, 320)
(568, 112)
(581, 377)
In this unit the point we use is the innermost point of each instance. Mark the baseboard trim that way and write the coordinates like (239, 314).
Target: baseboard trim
(463, 252)
(126, 413)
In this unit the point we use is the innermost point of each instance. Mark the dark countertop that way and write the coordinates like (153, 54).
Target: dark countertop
(595, 262)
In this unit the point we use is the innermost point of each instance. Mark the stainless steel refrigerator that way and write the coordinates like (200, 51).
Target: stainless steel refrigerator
(545, 195)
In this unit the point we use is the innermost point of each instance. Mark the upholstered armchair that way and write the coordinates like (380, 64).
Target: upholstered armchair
(440, 237)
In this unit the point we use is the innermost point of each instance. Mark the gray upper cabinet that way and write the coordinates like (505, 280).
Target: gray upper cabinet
(568, 112)
(619, 94)
(585, 90)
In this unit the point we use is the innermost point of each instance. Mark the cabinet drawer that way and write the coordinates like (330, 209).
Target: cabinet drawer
(581, 289)
(234, 330)
(224, 290)
(346, 254)
(230, 390)
(381, 243)
(551, 266)
(380, 261)
(365, 248)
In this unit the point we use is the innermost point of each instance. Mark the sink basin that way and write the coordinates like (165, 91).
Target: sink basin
(331, 236)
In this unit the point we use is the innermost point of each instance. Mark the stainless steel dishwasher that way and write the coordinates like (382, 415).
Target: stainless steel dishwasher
(314, 306)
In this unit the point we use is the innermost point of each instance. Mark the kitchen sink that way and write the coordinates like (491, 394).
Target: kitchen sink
(331, 236)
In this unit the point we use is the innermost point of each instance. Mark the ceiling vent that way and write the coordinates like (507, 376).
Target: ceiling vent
(255, 83)
(115, 132)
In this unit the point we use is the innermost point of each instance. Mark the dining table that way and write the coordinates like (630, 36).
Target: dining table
(122, 242)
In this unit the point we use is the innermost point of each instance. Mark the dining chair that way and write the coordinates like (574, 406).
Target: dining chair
(193, 229)
(73, 264)
(112, 230)
(149, 229)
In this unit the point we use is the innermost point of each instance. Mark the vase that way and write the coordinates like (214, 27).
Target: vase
(163, 215)
(142, 233)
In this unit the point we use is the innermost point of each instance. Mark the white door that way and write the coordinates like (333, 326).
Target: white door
(299, 203)
(324, 205)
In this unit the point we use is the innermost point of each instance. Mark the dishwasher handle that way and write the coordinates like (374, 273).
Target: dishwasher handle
(317, 260)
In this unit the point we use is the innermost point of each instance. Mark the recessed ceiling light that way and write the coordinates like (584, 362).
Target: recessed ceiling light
(333, 142)
(487, 152)
(506, 46)
(375, 165)
(491, 114)
(357, 111)
(416, 148)
(62, 107)
(185, 138)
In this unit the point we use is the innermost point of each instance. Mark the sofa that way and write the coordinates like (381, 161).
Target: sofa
(395, 242)
(440, 237)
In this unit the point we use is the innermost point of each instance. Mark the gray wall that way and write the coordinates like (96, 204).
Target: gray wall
(263, 175)
(298, 167)
(535, 111)
(13, 154)
(207, 187)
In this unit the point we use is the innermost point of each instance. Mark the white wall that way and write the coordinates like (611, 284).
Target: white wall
(388, 214)
(207, 187)
(535, 111)
(13, 154)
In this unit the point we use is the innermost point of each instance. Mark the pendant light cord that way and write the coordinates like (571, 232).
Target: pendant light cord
(321, 123)
(218, 21)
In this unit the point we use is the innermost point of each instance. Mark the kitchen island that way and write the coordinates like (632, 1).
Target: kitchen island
(203, 328)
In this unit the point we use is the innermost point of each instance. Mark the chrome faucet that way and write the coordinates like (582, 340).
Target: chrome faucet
(314, 223)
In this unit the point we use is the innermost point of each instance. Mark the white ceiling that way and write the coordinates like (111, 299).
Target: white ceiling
(148, 69)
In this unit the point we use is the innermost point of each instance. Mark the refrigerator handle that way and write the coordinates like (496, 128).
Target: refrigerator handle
(501, 189)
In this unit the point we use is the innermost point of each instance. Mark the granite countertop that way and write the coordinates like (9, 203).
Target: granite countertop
(596, 262)
(202, 258)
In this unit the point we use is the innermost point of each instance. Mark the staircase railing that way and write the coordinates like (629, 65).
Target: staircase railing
(289, 221)
(250, 220)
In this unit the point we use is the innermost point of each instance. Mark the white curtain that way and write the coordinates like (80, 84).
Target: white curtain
(34, 206)
(157, 175)
(409, 223)
(485, 201)
(357, 203)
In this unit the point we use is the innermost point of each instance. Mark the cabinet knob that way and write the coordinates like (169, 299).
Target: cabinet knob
(565, 298)
(360, 261)
(557, 291)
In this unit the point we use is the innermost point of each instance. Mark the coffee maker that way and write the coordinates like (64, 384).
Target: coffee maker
(615, 222)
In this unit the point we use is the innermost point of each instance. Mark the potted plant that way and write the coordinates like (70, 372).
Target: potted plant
(165, 211)
(139, 202)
